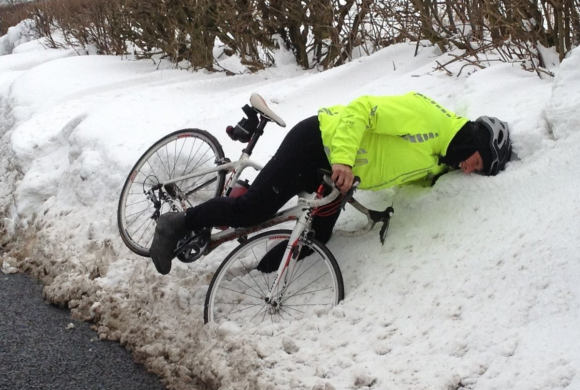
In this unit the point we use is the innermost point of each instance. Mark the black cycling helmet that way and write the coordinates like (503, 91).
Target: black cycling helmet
(500, 147)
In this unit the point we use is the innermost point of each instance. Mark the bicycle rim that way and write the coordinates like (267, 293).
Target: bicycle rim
(238, 290)
(175, 155)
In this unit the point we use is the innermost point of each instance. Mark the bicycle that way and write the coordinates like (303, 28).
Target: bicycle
(187, 167)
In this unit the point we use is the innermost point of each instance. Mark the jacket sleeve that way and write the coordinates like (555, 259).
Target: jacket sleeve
(354, 121)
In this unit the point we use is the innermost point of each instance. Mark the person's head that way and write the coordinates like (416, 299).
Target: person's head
(481, 146)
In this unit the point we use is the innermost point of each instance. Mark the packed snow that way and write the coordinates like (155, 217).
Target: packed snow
(475, 288)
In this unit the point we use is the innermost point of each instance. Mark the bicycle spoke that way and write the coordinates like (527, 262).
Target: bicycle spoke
(144, 231)
(280, 314)
(309, 304)
(241, 293)
(201, 178)
(137, 218)
(154, 174)
(148, 244)
(138, 212)
(188, 159)
(139, 172)
(203, 163)
(306, 292)
(167, 159)
(191, 158)
(244, 283)
(237, 311)
(301, 312)
(257, 262)
(263, 308)
(314, 281)
(292, 278)
(178, 155)
(141, 183)
(165, 168)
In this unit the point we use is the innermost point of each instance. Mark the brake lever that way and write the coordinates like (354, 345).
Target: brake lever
(348, 196)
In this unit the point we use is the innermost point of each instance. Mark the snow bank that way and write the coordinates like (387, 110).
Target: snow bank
(474, 289)
(563, 114)
(17, 35)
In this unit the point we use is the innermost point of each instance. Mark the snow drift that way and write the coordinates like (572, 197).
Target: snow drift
(476, 287)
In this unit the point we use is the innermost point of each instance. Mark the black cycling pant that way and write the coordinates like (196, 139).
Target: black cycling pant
(293, 169)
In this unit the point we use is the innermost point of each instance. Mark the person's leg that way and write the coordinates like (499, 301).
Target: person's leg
(293, 169)
(322, 226)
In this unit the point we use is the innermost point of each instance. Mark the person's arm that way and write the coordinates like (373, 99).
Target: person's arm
(354, 122)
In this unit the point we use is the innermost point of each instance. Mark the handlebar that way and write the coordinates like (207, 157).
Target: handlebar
(373, 216)
(333, 194)
(323, 201)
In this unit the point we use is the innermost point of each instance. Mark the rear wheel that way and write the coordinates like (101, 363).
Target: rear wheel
(144, 197)
(238, 290)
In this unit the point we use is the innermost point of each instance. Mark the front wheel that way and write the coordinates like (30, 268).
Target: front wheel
(144, 196)
(238, 290)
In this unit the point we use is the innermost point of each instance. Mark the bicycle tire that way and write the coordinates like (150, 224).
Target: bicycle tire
(237, 291)
(176, 154)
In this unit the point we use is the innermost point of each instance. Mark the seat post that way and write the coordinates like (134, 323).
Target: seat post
(257, 134)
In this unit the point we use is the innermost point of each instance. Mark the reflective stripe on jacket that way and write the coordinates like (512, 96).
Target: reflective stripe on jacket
(389, 140)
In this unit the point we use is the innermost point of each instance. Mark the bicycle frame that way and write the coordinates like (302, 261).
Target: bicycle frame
(294, 213)
(287, 266)
(234, 166)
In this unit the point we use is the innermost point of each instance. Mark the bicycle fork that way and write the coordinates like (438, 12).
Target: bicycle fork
(288, 263)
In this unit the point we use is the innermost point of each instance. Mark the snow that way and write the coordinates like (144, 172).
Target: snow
(475, 288)
(18, 36)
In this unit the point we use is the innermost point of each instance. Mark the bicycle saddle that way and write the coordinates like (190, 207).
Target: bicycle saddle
(260, 105)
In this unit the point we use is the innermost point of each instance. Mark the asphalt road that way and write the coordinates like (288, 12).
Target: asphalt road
(37, 351)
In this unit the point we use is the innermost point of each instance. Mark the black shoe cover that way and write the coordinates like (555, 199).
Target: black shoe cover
(169, 230)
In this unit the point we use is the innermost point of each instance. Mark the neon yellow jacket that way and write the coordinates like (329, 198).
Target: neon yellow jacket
(389, 140)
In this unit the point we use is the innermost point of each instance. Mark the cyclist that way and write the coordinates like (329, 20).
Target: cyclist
(385, 140)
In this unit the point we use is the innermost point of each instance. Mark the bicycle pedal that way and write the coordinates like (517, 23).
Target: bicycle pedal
(194, 247)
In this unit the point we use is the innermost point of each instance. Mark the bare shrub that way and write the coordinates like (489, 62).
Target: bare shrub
(513, 28)
(180, 30)
(83, 23)
(11, 14)
(320, 33)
